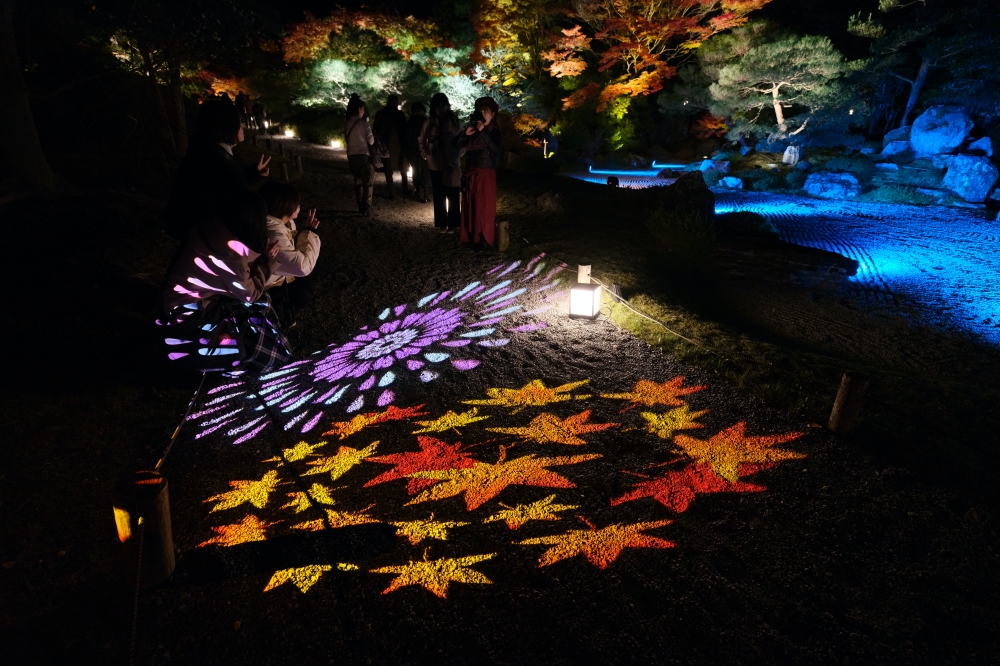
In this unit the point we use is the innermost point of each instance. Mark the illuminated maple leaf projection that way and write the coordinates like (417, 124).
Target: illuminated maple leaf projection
(300, 502)
(310, 525)
(348, 518)
(482, 482)
(436, 575)
(254, 492)
(550, 429)
(532, 394)
(251, 528)
(600, 547)
(678, 488)
(321, 493)
(650, 393)
(543, 509)
(344, 429)
(302, 577)
(665, 425)
(300, 451)
(418, 530)
(727, 451)
(338, 465)
(433, 455)
(450, 421)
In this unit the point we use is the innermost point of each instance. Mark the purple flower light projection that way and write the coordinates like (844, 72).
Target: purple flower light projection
(441, 332)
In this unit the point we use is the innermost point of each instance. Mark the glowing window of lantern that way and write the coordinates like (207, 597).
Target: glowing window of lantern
(289, 133)
(335, 143)
(585, 301)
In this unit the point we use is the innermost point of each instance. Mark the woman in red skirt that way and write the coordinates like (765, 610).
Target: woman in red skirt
(482, 143)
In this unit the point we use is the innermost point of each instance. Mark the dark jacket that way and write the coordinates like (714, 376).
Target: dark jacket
(483, 149)
(205, 176)
(412, 141)
(386, 122)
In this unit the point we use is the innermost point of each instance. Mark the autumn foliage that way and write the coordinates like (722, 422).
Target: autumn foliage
(406, 36)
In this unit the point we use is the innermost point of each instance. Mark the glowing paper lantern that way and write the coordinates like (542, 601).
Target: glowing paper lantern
(335, 143)
(289, 133)
(584, 301)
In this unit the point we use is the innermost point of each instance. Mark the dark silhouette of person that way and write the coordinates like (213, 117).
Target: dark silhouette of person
(390, 127)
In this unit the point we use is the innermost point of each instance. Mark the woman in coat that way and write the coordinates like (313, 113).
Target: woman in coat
(437, 146)
(359, 139)
(482, 143)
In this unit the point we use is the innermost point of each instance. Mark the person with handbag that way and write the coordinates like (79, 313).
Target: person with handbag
(437, 146)
(482, 143)
(291, 283)
(359, 139)
(215, 312)
(389, 128)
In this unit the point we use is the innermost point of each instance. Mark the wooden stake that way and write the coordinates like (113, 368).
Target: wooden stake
(281, 149)
(143, 496)
(298, 162)
(503, 236)
(847, 406)
(583, 274)
(284, 171)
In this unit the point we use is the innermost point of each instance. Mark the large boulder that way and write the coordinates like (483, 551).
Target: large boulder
(722, 166)
(981, 146)
(731, 182)
(939, 129)
(971, 177)
(832, 185)
(689, 192)
(899, 134)
(895, 147)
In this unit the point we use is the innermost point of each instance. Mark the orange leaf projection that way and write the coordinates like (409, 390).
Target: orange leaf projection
(678, 488)
(436, 575)
(650, 393)
(543, 509)
(727, 451)
(251, 528)
(344, 429)
(450, 421)
(532, 394)
(310, 525)
(483, 481)
(338, 465)
(600, 547)
(550, 429)
(434, 454)
(255, 492)
(665, 425)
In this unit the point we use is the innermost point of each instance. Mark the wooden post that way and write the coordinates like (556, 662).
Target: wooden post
(847, 406)
(503, 236)
(583, 274)
(281, 149)
(141, 504)
(284, 171)
(267, 142)
(298, 162)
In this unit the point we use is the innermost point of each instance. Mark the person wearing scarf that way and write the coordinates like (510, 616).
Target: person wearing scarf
(482, 143)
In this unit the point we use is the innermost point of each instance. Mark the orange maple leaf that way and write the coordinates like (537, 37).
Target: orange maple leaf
(650, 393)
(251, 528)
(433, 454)
(549, 428)
(730, 450)
(344, 429)
(532, 394)
(600, 547)
(482, 482)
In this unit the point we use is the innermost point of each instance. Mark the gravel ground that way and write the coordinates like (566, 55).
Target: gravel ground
(826, 558)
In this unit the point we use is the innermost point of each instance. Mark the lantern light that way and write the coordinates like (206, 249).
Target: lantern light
(289, 133)
(409, 172)
(335, 143)
(584, 301)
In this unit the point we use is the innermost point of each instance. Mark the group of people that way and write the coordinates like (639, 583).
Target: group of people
(433, 145)
(243, 270)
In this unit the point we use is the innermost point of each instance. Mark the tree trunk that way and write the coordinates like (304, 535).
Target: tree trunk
(926, 65)
(21, 156)
(180, 113)
(782, 125)
(147, 62)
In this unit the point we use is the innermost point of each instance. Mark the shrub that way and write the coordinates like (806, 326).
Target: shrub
(712, 178)
(761, 180)
(860, 166)
(687, 235)
(795, 179)
(318, 125)
(899, 194)
(744, 223)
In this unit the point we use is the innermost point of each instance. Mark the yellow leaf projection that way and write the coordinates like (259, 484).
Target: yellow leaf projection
(600, 547)
(337, 465)
(482, 482)
(302, 577)
(255, 492)
(450, 421)
(321, 494)
(436, 575)
(532, 394)
(730, 450)
(297, 452)
(348, 518)
(251, 528)
(418, 530)
(650, 393)
(310, 525)
(300, 502)
(550, 429)
(518, 515)
(665, 425)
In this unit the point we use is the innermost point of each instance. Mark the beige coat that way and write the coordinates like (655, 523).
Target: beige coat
(297, 251)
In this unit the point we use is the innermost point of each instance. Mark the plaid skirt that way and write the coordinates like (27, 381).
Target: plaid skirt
(267, 347)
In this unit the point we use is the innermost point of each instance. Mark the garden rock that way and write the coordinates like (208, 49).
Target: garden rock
(722, 166)
(832, 185)
(550, 203)
(900, 134)
(981, 146)
(939, 129)
(804, 165)
(942, 161)
(887, 166)
(690, 193)
(731, 182)
(792, 155)
(971, 177)
(895, 147)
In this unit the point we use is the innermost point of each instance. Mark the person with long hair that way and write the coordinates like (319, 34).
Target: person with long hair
(482, 143)
(389, 126)
(210, 172)
(359, 139)
(437, 146)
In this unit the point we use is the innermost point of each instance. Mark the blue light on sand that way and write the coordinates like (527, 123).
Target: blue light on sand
(635, 172)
